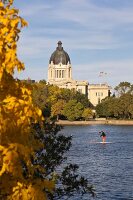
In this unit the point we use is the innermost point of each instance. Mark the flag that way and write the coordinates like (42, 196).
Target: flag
(102, 73)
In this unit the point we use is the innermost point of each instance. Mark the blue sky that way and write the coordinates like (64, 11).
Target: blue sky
(97, 35)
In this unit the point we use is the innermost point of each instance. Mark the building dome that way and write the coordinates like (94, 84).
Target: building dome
(59, 56)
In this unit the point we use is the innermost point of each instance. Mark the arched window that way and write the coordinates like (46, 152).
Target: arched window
(99, 100)
(59, 73)
(69, 72)
(62, 73)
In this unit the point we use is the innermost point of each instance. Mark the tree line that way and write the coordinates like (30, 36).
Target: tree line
(68, 104)
(61, 103)
(119, 105)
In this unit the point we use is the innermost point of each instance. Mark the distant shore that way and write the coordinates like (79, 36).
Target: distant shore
(93, 122)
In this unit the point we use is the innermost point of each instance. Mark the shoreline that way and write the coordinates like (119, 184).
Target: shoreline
(95, 122)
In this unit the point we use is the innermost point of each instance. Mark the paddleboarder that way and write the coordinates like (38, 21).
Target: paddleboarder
(103, 135)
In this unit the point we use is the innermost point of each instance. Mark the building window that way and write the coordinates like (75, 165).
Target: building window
(80, 90)
(69, 72)
(60, 74)
(51, 73)
(96, 94)
(98, 100)
(101, 93)
(63, 74)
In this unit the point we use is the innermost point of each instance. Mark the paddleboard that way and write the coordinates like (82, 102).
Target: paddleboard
(100, 142)
(105, 142)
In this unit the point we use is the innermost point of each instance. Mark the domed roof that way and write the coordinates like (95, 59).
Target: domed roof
(59, 55)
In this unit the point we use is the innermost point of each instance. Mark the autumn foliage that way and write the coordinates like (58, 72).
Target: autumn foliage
(17, 111)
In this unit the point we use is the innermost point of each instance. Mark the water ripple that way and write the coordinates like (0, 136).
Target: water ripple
(110, 166)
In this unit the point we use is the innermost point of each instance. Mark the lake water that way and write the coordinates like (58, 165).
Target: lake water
(109, 167)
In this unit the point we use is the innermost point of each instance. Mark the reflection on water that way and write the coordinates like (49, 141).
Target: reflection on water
(109, 167)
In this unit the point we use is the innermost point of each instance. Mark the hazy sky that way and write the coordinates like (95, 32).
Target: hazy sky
(97, 35)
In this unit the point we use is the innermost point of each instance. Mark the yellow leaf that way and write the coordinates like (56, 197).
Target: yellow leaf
(14, 22)
(23, 22)
(1, 4)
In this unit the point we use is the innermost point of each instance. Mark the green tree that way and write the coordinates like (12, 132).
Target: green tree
(106, 107)
(118, 107)
(43, 81)
(56, 145)
(53, 94)
(83, 99)
(67, 94)
(57, 108)
(131, 110)
(73, 110)
(40, 97)
(78, 110)
(46, 97)
(126, 102)
(124, 87)
(102, 109)
(40, 94)
(87, 113)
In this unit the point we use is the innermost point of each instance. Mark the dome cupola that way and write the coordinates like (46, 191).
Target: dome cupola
(59, 56)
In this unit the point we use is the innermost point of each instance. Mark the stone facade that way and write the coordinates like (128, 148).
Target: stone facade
(60, 74)
(97, 92)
